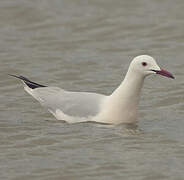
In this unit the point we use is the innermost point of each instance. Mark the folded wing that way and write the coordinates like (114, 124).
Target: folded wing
(79, 104)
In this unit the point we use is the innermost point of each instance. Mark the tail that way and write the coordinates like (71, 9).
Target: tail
(29, 83)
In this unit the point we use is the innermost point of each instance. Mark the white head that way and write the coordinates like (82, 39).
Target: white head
(146, 65)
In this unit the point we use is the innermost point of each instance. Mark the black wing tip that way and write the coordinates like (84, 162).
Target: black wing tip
(29, 83)
(19, 77)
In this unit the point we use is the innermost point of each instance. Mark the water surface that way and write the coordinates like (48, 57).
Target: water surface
(88, 45)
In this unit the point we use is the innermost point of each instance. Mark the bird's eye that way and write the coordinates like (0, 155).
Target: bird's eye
(144, 63)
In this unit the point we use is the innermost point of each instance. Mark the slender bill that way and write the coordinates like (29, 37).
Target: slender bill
(163, 72)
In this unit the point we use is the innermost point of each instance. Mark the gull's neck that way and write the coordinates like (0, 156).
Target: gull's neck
(122, 104)
(130, 88)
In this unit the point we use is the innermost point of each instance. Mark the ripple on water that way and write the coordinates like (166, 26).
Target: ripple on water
(87, 46)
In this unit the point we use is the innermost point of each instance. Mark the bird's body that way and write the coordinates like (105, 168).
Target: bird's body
(119, 107)
(67, 105)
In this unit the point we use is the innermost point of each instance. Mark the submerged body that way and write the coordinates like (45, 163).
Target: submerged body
(119, 107)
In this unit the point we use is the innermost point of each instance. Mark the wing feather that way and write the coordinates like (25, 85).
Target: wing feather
(80, 104)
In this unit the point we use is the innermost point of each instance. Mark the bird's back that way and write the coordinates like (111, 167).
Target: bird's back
(73, 104)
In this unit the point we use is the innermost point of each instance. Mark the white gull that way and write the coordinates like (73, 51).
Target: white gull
(119, 107)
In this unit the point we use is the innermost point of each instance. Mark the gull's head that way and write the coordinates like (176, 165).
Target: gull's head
(146, 65)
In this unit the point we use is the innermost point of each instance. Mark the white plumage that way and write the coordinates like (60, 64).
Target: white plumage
(119, 107)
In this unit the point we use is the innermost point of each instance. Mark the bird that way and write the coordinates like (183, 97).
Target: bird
(121, 106)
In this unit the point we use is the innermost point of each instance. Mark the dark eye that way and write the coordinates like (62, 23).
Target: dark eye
(144, 63)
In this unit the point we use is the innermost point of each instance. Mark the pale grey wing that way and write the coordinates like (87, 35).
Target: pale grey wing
(80, 104)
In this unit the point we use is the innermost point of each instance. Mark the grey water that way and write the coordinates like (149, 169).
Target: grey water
(87, 46)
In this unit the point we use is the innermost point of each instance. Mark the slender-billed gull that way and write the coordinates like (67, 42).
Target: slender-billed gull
(119, 107)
